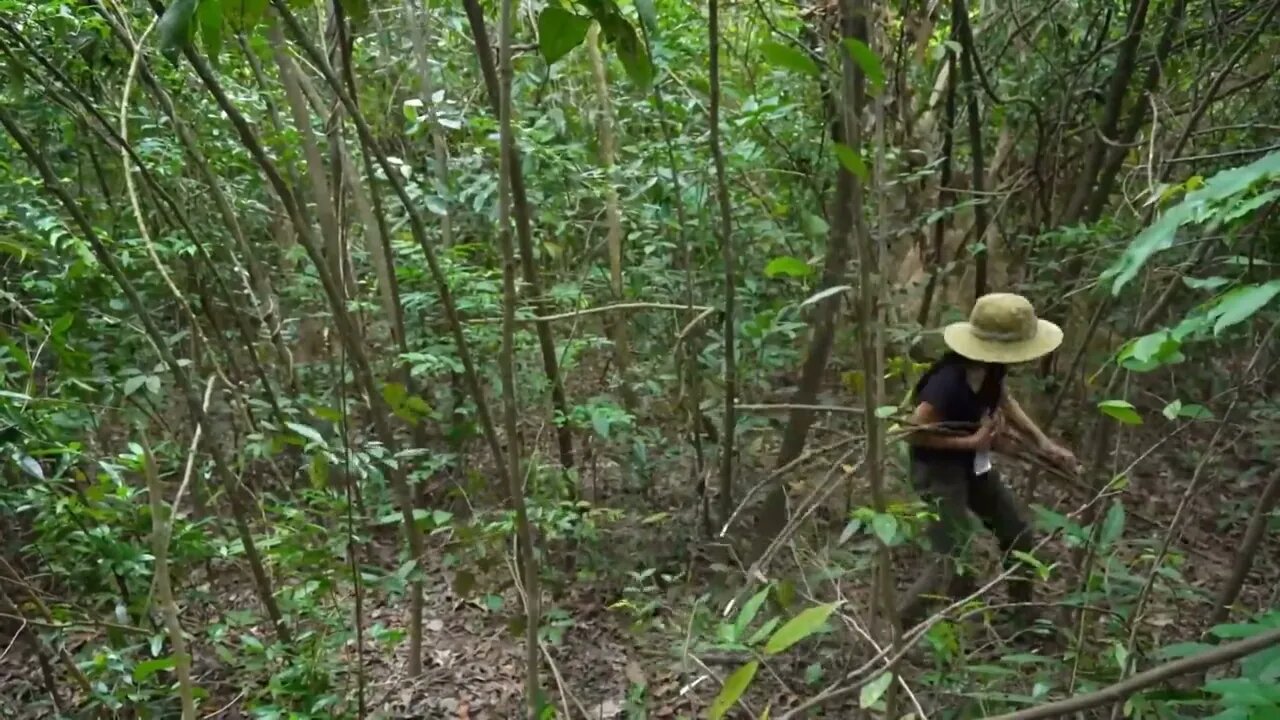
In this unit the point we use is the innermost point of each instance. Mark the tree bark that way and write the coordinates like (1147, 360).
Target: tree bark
(511, 411)
(725, 230)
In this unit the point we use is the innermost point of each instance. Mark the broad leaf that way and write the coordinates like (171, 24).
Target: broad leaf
(789, 58)
(1150, 351)
(132, 384)
(1197, 206)
(1241, 304)
(789, 266)
(867, 60)
(307, 432)
(874, 690)
(648, 15)
(175, 28)
(1113, 525)
(147, 668)
(799, 627)
(1121, 410)
(635, 59)
(885, 527)
(734, 686)
(748, 613)
(851, 161)
(31, 467)
(560, 31)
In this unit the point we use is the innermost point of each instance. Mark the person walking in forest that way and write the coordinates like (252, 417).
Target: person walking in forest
(952, 470)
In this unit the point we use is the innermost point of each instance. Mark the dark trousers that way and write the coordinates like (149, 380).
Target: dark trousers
(951, 492)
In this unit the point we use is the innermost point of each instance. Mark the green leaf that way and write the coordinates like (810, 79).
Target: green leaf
(147, 668)
(1113, 525)
(765, 630)
(850, 160)
(174, 28)
(307, 432)
(62, 325)
(648, 15)
(867, 60)
(799, 627)
(132, 384)
(874, 690)
(789, 58)
(357, 10)
(1195, 412)
(1155, 349)
(1122, 656)
(407, 567)
(243, 15)
(1209, 283)
(632, 53)
(885, 527)
(852, 527)
(319, 470)
(1241, 303)
(153, 384)
(1196, 206)
(885, 411)
(560, 31)
(394, 394)
(1121, 410)
(209, 16)
(734, 686)
(789, 266)
(748, 613)
(1171, 410)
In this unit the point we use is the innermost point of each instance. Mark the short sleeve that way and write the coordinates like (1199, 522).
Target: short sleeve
(939, 390)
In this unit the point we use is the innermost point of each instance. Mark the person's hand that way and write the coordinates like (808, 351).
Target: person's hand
(988, 432)
(1059, 455)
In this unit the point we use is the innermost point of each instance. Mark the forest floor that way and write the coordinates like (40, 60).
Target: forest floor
(601, 665)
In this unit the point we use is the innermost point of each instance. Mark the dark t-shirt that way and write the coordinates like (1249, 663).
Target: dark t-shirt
(950, 394)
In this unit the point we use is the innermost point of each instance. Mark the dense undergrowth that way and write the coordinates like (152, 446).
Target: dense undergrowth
(319, 350)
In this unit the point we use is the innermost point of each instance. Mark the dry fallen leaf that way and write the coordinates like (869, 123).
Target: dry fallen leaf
(635, 675)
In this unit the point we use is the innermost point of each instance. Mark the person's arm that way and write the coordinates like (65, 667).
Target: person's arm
(926, 416)
(1019, 419)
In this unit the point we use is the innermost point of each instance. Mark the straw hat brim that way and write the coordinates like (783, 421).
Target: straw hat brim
(961, 338)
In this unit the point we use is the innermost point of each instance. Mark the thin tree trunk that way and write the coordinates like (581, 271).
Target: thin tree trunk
(524, 235)
(773, 517)
(1126, 59)
(528, 566)
(161, 527)
(960, 21)
(613, 215)
(725, 230)
(1254, 534)
(1137, 116)
(321, 194)
(853, 23)
(944, 194)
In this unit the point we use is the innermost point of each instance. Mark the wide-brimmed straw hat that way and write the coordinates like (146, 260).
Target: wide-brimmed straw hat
(1003, 328)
